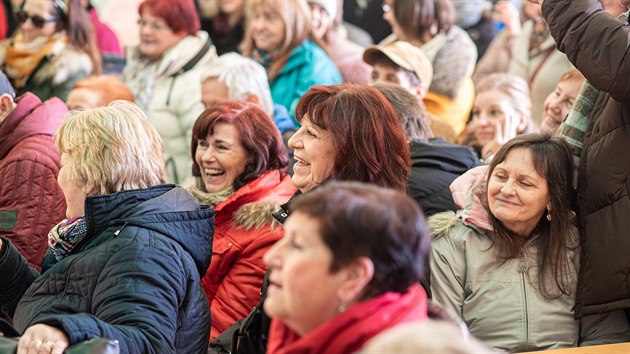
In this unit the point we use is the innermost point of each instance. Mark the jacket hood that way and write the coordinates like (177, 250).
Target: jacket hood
(451, 158)
(31, 117)
(165, 209)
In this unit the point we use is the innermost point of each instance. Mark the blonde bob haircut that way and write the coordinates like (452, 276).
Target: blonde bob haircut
(296, 15)
(111, 149)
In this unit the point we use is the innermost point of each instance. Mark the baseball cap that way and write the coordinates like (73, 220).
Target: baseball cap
(405, 55)
(5, 86)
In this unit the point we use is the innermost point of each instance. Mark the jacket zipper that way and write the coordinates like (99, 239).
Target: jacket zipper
(522, 270)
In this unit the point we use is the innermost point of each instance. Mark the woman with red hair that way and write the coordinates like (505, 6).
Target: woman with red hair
(240, 169)
(163, 74)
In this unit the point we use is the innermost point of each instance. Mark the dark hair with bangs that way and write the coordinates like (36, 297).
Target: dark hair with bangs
(418, 18)
(552, 160)
(361, 220)
(258, 133)
(369, 140)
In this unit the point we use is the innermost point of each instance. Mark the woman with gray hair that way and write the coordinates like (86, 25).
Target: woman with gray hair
(127, 261)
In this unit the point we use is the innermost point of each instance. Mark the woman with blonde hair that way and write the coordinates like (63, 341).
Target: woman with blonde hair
(126, 263)
(279, 36)
(53, 47)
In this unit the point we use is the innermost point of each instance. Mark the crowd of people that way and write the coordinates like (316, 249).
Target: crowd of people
(315, 176)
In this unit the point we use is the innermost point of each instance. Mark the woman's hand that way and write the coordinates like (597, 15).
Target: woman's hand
(41, 338)
(509, 15)
(503, 132)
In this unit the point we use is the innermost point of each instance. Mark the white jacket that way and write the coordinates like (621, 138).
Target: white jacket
(172, 101)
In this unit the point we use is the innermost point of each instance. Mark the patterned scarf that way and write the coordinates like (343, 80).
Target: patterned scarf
(65, 235)
(266, 59)
(22, 57)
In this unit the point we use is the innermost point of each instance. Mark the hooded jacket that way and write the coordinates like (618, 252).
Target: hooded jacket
(598, 45)
(434, 165)
(245, 230)
(171, 96)
(135, 277)
(31, 201)
(500, 301)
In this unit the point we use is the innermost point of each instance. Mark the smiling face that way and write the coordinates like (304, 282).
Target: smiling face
(297, 262)
(517, 194)
(44, 10)
(321, 19)
(213, 91)
(72, 192)
(221, 157)
(315, 154)
(268, 29)
(492, 111)
(558, 104)
(156, 36)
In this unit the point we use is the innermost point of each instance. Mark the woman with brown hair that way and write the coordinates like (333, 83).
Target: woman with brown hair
(507, 262)
(52, 49)
(279, 36)
(429, 24)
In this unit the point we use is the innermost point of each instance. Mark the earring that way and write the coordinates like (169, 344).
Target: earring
(549, 215)
(342, 307)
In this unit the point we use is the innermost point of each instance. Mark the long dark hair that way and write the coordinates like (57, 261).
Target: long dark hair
(78, 25)
(551, 157)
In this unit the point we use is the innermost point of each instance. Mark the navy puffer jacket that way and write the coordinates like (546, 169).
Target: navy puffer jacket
(135, 278)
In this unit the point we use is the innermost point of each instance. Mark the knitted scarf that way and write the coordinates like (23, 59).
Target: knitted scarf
(198, 191)
(66, 235)
(23, 57)
(266, 59)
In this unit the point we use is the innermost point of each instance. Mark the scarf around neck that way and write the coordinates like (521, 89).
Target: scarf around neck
(198, 191)
(266, 59)
(64, 236)
(23, 57)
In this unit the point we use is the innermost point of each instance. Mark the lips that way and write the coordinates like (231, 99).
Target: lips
(301, 162)
(507, 202)
(212, 173)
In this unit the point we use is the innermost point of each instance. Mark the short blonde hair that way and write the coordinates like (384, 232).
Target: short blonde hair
(296, 15)
(514, 87)
(112, 148)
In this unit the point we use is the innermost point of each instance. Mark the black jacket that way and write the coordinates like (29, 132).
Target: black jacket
(598, 45)
(135, 278)
(434, 165)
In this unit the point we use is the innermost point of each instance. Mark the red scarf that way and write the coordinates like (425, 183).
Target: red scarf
(350, 330)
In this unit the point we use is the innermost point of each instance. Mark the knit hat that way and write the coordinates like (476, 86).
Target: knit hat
(5, 86)
(329, 5)
(405, 55)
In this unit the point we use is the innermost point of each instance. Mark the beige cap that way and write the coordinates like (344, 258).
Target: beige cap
(405, 55)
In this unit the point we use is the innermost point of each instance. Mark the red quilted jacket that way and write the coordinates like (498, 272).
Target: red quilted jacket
(244, 231)
(31, 202)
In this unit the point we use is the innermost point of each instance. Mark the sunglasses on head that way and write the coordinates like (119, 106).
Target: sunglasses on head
(36, 20)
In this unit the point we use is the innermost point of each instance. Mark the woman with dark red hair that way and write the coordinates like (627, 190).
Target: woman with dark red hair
(240, 169)
(163, 74)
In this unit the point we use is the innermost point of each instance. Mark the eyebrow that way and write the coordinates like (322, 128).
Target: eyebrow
(520, 175)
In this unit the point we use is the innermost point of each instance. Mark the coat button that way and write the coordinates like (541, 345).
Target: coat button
(230, 244)
(284, 215)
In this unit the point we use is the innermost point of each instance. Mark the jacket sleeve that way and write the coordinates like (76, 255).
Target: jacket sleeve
(594, 41)
(607, 328)
(30, 188)
(497, 57)
(136, 301)
(15, 276)
(448, 271)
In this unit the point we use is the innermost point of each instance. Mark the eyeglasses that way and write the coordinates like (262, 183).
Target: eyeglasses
(36, 20)
(155, 26)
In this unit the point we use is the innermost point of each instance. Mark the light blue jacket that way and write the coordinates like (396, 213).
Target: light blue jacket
(308, 65)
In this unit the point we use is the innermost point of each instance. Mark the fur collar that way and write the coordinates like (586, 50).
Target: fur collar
(61, 67)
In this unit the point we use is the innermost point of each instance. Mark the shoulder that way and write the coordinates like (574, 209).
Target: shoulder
(450, 232)
(67, 64)
(39, 149)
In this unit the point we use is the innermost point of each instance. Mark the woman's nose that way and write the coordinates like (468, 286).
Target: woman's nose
(507, 188)
(270, 258)
(294, 141)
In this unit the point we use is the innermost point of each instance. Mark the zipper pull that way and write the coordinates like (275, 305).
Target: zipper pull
(117, 232)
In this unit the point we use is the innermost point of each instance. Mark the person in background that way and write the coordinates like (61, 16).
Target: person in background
(163, 74)
(97, 91)
(238, 78)
(346, 270)
(127, 261)
(475, 17)
(227, 27)
(507, 262)
(434, 162)
(346, 54)
(51, 50)
(559, 102)
(113, 59)
(526, 50)
(367, 15)
(406, 65)
(280, 37)
(614, 7)
(240, 169)
(598, 129)
(348, 133)
(429, 25)
(32, 202)
(501, 112)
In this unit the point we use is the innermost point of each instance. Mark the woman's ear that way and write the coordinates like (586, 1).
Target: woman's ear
(356, 276)
(6, 106)
(523, 121)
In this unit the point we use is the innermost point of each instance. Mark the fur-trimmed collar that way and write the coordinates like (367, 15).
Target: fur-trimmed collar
(64, 65)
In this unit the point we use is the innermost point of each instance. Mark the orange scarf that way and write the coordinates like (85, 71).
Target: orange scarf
(22, 57)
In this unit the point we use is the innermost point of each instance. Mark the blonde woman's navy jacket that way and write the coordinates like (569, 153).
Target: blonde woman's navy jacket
(135, 278)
